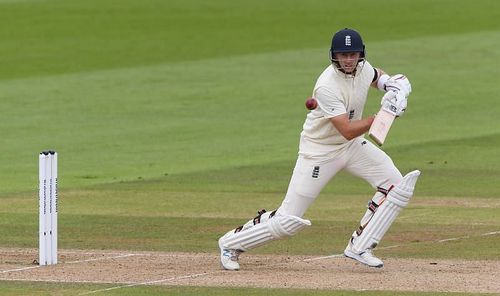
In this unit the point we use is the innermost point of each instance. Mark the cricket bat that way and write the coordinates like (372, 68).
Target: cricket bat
(380, 126)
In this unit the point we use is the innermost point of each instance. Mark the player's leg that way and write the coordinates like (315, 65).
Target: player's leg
(267, 227)
(308, 179)
(377, 168)
(372, 164)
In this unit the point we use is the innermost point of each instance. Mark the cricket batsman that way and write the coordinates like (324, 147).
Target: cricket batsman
(332, 140)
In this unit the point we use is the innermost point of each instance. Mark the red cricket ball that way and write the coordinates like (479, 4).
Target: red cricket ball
(311, 103)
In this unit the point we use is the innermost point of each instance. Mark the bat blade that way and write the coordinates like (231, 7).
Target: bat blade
(380, 126)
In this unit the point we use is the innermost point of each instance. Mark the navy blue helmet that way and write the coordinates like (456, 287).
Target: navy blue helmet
(347, 40)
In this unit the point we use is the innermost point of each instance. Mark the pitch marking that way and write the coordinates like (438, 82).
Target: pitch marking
(190, 276)
(70, 262)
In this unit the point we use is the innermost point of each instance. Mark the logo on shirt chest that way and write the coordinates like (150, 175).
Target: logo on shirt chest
(351, 114)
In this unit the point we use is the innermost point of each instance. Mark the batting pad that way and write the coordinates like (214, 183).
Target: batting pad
(397, 199)
(277, 227)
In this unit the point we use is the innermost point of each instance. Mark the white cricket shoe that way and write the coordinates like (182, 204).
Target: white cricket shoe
(365, 257)
(229, 257)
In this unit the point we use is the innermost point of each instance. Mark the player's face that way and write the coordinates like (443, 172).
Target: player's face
(348, 60)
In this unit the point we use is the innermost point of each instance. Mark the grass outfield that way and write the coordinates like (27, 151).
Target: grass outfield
(177, 120)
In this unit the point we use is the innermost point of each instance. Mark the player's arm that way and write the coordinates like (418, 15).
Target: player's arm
(351, 129)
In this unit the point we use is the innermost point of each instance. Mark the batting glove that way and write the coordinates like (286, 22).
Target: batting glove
(394, 103)
(399, 84)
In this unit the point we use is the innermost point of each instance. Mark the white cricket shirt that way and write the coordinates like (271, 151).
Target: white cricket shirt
(336, 93)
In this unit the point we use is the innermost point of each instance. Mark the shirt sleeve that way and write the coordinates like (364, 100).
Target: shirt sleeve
(329, 102)
(370, 72)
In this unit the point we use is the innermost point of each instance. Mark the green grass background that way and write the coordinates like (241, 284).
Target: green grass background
(177, 120)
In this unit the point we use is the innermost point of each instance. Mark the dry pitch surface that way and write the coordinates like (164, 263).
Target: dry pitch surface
(266, 271)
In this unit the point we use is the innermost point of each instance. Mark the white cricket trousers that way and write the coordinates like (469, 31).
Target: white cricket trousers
(361, 158)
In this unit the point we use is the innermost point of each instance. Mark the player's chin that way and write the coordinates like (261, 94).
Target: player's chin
(349, 70)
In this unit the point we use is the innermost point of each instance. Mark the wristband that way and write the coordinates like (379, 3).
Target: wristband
(381, 82)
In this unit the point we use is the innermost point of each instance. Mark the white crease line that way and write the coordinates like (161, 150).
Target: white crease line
(191, 276)
(342, 255)
(389, 247)
(320, 258)
(70, 262)
(451, 239)
(490, 233)
(20, 269)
